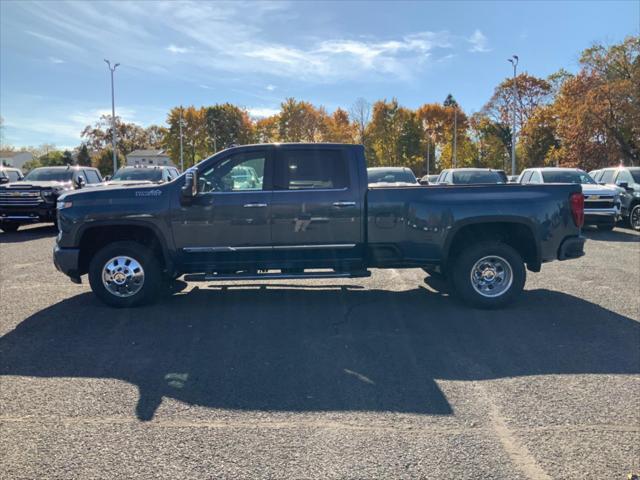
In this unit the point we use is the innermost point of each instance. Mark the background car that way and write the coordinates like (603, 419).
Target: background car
(142, 175)
(601, 204)
(429, 180)
(471, 176)
(33, 199)
(627, 180)
(8, 175)
(397, 176)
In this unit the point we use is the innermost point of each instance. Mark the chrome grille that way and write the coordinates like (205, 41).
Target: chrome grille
(598, 201)
(20, 198)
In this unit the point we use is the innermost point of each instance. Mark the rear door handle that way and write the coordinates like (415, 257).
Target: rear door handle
(254, 205)
(344, 204)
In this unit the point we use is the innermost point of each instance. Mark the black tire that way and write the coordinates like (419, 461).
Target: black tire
(634, 217)
(152, 283)
(464, 264)
(606, 228)
(9, 227)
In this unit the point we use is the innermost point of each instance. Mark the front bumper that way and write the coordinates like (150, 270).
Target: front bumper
(601, 216)
(45, 213)
(67, 261)
(571, 247)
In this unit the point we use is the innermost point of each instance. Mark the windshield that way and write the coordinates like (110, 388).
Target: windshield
(468, 178)
(391, 176)
(636, 175)
(567, 176)
(49, 174)
(151, 174)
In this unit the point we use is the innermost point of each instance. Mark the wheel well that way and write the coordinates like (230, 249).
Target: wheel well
(516, 235)
(94, 238)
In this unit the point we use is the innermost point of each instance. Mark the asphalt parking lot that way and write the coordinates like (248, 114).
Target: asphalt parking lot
(380, 377)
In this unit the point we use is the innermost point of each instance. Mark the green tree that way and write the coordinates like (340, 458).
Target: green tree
(103, 161)
(394, 135)
(194, 135)
(227, 125)
(84, 158)
(301, 122)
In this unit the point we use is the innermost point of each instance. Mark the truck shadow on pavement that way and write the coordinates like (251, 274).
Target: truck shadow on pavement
(320, 349)
(26, 234)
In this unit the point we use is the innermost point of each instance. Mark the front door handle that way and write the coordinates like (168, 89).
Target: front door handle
(344, 204)
(254, 205)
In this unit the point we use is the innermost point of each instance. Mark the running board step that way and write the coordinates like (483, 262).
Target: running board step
(201, 277)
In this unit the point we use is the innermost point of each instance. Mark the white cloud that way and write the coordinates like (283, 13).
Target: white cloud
(270, 87)
(479, 42)
(230, 37)
(56, 60)
(175, 49)
(262, 112)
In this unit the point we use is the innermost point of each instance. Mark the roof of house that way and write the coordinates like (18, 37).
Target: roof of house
(148, 153)
(11, 153)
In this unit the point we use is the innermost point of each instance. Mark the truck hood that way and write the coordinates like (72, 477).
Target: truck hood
(589, 189)
(116, 193)
(37, 185)
(121, 183)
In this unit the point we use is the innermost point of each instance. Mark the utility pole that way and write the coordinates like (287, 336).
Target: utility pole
(181, 157)
(455, 135)
(428, 155)
(514, 61)
(113, 117)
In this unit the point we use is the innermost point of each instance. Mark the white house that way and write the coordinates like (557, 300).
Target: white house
(148, 157)
(15, 159)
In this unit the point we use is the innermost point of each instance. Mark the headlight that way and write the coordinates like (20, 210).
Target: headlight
(62, 204)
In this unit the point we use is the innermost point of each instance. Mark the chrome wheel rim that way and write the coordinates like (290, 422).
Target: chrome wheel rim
(491, 276)
(635, 217)
(123, 276)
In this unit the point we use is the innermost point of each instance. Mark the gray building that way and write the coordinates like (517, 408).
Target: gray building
(148, 157)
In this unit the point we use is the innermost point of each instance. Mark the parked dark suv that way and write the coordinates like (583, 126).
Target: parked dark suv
(33, 199)
(627, 179)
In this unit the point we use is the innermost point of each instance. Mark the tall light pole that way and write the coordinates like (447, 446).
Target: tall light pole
(181, 157)
(455, 135)
(514, 61)
(113, 116)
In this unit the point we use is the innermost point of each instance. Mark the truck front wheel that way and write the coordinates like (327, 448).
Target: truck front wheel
(489, 274)
(125, 274)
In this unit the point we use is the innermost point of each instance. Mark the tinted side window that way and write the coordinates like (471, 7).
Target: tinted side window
(312, 170)
(526, 176)
(607, 176)
(624, 176)
(92, 176)
(535, 177)
(242, 171)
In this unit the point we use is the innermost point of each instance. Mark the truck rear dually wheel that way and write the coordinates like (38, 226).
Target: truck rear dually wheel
(125, 274)
(488, 275)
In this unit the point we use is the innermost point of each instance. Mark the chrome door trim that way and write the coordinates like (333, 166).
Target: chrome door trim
(264, 247)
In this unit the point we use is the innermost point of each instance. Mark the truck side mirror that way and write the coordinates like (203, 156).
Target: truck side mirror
(79, 182)
(190, 188)
(625, 185)
(107, 178)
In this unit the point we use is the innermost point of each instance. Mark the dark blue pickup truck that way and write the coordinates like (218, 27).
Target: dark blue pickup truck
(305, 211)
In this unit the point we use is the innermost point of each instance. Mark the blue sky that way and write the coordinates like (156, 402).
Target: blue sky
(53, 80)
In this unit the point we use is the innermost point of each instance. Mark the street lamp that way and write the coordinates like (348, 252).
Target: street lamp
(181, 157)
(113, 116)
(514, 61)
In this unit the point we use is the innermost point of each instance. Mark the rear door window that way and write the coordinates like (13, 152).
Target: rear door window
(92, 176)
(607, 176)
(309, 169)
